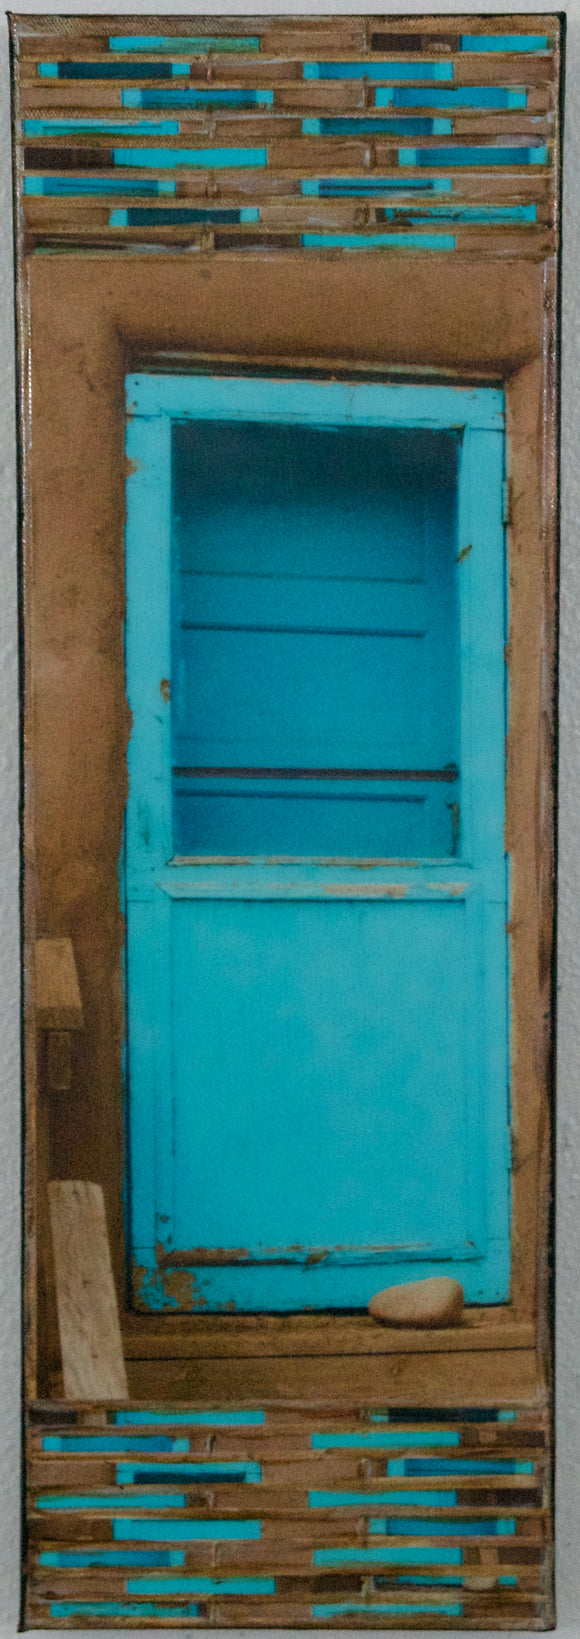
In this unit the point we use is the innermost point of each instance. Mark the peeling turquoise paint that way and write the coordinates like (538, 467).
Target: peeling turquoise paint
(214, 1530)
(382, 1499)
(378, 241)
(150, 1290)
(346, 126)
(248, 1585)
(196, 43)
(180, 217)
(208, 1473)
(419, 1581)
(535, 154)
(381, 1439)
(61, 1610)
(116, 128)
(111, 1442)
(112, 71)
(196, 98)
(505, 42)
(69, 186)
(499, 214)
(429, 1414)
(156, 158)
(371, 69)
(430, 1466)
(338, 187)
(321, 1613)
(465, 96)
(403, 1555)
(430, 1527)
(209, 1419)
(77, 1559)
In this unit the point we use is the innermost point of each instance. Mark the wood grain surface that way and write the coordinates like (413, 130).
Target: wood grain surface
(88, 1320)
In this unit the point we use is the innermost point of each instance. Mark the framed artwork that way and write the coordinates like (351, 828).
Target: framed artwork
(288, 320)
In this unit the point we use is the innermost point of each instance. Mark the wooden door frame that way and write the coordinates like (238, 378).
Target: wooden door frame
(85, 323)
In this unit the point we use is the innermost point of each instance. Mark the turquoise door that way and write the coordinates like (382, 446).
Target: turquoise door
(315, 866)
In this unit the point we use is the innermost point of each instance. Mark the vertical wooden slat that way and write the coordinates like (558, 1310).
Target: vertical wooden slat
(88, 1318)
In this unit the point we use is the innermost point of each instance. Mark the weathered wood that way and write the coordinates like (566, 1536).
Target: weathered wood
(56, 987)
(313, 1471)
(294, 1538)
(276, 59)
(88, 1319)
(272, 1443)
(395, 1380)
(58, 1060)
(95, 1585)
(220, 1337)
(526, 1546)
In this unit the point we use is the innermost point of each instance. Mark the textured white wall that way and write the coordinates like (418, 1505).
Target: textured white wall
(568, 1236)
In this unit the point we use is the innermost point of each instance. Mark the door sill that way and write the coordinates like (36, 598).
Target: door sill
(162, 1337)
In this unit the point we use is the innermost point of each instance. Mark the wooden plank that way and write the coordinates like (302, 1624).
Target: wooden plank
(220, 70)
(324, 155)
(257, 1444)
(285, 41)
(310, 214)
(265, 1336)
(111, 237)
(88, 1319)
(315, 1470)
(98, 1584)
(534, 74)
(479, 1578)
(496, 1377)
(527, 1543)
(302, 1536)
(472, 123)
(117, 239)
(279, 1414)
(56, 987)
(319, 94)
(33, 29)
(485, 187)
(81, 211)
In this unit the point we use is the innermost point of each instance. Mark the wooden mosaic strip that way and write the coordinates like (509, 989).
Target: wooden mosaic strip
(283, 1516)
(336, 134)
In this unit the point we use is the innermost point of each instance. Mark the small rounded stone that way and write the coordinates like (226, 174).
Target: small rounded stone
(437, 1301)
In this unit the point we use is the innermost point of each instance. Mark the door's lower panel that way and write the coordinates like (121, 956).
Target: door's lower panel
(318, 1093)
(277, 1515)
